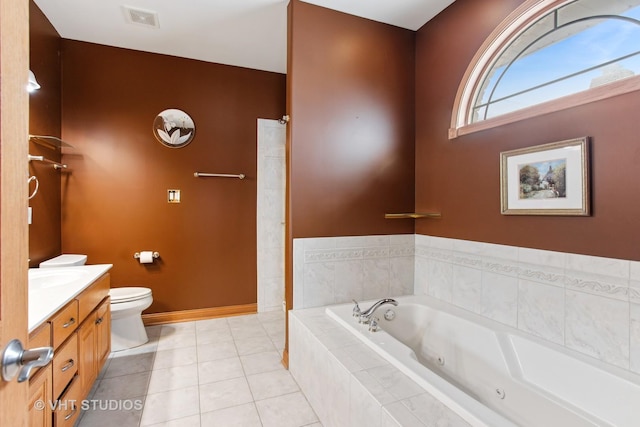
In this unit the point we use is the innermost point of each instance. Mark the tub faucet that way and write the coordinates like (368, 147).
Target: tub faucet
(365, 316)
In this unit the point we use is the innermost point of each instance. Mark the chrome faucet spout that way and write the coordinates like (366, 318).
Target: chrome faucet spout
(366, 315)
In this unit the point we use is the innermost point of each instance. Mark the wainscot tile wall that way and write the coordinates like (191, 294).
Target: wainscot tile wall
(588, 304)
(331, 270)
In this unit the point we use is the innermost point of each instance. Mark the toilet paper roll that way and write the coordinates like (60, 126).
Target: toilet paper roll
(146, 257)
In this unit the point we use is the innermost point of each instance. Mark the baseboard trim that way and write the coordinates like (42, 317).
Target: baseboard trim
(198, 314)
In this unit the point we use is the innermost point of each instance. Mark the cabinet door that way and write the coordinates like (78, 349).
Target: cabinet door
(87, 370)
(40, 386)
(103, 333)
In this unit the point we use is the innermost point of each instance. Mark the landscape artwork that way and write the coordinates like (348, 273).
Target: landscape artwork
(547, 179)
(543, 180)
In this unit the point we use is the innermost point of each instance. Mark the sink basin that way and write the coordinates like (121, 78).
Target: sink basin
(54, 277)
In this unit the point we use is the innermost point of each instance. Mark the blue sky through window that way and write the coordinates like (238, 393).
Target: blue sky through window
(561, 54)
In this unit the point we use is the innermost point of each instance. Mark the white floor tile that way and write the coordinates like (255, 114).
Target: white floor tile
(274, 327)
(192, 421)
(254, 345)
(237, 416)
(290, 410)
(271, 316)
(168, 342)
(153, 331)
(262, 362)
(212, 324)
(216, 351)
(271, 384)
(170, 405)
(110, 418)
(149, 347)
(247, 332)
(127, 365)
(177, 328)
(249, 319)
(173, 378)
(218, 370)
(175, 357)
(208, 336)
(224, 394)
(124, 387)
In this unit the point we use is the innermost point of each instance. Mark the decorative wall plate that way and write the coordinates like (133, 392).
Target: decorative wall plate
(174, 128)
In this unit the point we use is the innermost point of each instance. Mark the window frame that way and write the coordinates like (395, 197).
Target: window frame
(493, 46)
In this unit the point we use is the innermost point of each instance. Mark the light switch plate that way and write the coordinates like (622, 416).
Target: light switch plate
(173, 196)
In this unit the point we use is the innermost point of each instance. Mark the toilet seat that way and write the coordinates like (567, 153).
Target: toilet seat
(121, 295)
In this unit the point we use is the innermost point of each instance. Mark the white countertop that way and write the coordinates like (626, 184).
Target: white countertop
(49, 294)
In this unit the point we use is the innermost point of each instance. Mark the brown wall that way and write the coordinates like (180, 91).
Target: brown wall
(44, 119)
(460, 177)
(115, 198)
(351, 101)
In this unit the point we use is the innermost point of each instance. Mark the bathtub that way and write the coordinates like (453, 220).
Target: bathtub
(492, 375)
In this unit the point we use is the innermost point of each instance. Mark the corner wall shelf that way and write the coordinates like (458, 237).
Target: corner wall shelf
(49, 141)
(412, 215)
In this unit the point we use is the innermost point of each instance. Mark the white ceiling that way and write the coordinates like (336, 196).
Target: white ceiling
(245, 33)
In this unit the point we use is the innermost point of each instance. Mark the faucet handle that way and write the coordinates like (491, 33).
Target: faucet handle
(356, 309)
(373, 325)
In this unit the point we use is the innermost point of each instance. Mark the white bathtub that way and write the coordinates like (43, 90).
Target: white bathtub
(492, 375)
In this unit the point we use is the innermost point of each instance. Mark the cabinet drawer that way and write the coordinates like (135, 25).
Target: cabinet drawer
(65, 365)
(89, 299)
(41, 337)
(69, 406)
(64, 323)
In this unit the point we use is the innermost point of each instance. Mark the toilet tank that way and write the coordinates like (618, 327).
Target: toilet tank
(64, 260)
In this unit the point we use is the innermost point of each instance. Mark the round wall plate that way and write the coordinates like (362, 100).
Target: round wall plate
(174, 128)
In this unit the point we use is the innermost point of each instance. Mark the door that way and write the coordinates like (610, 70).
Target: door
(14, 254)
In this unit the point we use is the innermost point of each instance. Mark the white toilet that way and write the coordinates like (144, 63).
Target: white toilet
(127, 329)
(64, 260)
(127, 304)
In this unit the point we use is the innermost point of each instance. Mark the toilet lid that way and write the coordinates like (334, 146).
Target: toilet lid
(128, 294)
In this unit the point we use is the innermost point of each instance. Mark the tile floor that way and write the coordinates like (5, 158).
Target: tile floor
(219, 372)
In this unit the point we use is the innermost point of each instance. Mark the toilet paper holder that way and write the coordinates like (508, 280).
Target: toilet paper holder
(155, 255)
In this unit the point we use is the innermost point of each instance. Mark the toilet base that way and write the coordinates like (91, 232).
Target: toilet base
(127, 332)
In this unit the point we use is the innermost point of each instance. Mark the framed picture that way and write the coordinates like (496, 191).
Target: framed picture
(549, 179)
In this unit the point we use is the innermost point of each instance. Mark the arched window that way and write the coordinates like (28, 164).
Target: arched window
(549, 55)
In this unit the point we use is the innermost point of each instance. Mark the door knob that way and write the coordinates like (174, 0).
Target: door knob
(17, 360)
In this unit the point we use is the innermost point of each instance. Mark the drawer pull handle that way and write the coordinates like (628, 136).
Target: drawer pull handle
(72, 413)
(69, 323)
(68, 366)
(99, 321)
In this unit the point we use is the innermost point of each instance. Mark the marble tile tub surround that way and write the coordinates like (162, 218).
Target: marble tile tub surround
(356, 385)
(332, 270)
(587, 304)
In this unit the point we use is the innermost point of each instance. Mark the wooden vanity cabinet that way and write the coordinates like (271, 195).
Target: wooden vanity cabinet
(94, 344)
(80, 334)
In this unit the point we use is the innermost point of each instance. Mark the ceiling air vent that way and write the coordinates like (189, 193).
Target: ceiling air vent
(141, 17)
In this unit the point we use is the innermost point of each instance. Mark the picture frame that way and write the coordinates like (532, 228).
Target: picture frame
(548, 179)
